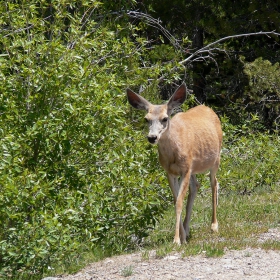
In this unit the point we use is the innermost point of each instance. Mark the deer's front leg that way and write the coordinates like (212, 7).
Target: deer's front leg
(185, 179)
(174, 185)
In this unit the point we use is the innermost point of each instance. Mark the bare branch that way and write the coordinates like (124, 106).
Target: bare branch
(206, 52)
(156, 23)
(20, 30)
(207, 48)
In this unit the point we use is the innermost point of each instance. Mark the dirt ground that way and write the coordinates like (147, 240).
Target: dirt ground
(246, 264)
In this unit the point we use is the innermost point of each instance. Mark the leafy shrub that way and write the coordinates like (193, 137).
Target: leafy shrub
(263, 90)
(250, 160)
(73, 169)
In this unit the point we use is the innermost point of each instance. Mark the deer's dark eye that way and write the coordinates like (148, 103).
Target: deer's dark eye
(164, 120)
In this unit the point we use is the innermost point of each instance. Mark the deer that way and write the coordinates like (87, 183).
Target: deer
(189, 143)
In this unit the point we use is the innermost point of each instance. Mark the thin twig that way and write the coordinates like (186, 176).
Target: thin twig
(207, 49)
(155, 23)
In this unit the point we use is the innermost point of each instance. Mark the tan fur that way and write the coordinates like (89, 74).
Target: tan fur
(193, 141)
(188, 144)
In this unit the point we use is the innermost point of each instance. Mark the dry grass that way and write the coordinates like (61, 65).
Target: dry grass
(242, 219)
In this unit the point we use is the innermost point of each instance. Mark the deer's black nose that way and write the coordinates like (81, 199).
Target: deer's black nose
(152, 139)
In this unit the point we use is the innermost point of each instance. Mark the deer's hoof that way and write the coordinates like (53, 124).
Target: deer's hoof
(214, 227)
(177, 241)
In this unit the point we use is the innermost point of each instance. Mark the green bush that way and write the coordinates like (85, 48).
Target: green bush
(263, 91)
(73, 170)
(249, 160)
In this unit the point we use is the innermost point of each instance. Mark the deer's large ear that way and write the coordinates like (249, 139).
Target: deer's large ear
(137, 101)
(178, 97)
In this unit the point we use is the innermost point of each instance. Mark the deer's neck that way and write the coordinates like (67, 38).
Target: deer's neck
(166, 144)
(169, 152)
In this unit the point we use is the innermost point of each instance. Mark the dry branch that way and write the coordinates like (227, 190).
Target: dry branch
(206, 52)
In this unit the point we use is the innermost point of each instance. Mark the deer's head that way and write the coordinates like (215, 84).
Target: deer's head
(157, 116)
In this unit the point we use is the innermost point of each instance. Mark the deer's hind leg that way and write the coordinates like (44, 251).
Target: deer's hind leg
(215, 189)
(194, 186)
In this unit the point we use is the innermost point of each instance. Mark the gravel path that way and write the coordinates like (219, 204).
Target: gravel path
(254, 264)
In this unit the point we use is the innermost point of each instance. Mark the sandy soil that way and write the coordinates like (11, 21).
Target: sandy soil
(246, 264)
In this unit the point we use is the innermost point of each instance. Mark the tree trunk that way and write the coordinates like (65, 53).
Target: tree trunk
(198, 71)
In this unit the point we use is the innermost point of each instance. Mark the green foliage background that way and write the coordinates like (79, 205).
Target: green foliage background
(70, 175)
(76, 173)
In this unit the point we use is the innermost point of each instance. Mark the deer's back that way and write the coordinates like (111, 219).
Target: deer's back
(201, 121)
